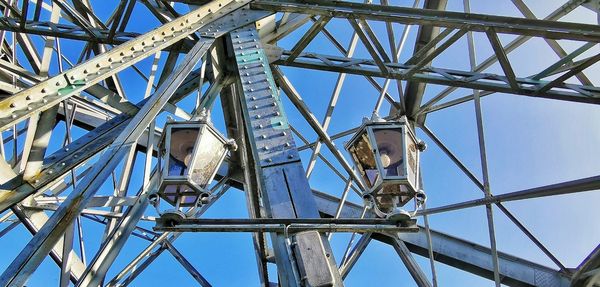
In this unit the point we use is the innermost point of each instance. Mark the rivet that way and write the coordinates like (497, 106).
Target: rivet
(266, 148)
(287, 144)
(28, 98)
(12, 105)
(283, 133)
(291, 156)
(269, 160)
(263, 136)
(260, 126)
(258, 116)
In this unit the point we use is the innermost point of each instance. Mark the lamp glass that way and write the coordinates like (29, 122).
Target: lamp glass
(364, 158)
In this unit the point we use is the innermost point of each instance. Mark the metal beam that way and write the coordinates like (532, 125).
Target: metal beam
(587, 273)
(411, 265)
(30, 257)
(414, 91)
(458, 253)
(458, 20)
(575, 186)
(448, 77)
(61, 30)
(58, 88)
(281, 179)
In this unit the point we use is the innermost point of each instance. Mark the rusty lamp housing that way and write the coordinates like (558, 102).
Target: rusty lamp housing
(190, 155)
(386, 155)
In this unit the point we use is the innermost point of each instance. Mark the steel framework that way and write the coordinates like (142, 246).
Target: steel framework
(75, 133)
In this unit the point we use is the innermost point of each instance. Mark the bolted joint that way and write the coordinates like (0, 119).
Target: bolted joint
(231, 145)
(421, 145)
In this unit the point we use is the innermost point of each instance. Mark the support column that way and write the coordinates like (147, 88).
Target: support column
(304, 259)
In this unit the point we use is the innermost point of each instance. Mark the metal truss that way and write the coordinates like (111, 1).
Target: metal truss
(75, 138)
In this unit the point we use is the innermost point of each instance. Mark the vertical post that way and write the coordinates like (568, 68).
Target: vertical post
(481, 137)
(306, 258)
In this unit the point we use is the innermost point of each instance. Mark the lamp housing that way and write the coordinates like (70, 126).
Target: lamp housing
(386, 155)
(191, 153)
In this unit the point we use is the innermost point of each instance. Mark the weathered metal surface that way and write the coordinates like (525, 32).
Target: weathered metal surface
(459, 253)
(281, 177)
(50, 92)
(447, 77)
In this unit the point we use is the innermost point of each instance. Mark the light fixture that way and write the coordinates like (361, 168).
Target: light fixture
(386, 154)
(190, 155)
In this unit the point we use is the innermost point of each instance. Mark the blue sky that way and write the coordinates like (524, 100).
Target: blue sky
(530, 142)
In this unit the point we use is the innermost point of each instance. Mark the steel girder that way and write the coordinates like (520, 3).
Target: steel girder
(457, 252)
(448, 19)
(87, 27)
(449, 77)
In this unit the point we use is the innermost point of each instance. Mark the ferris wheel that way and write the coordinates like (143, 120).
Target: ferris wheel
(299, 143)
